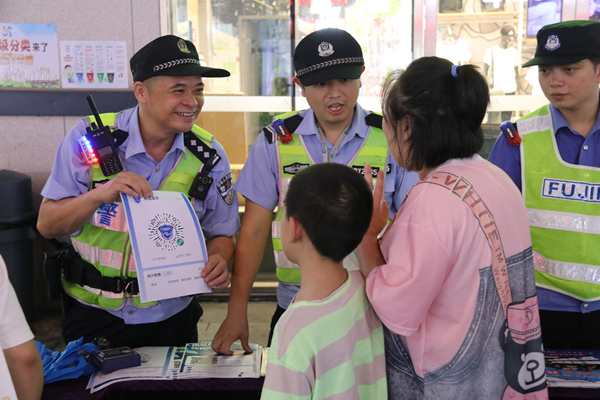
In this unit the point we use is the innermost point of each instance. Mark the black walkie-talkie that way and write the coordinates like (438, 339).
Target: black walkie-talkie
(98, 145)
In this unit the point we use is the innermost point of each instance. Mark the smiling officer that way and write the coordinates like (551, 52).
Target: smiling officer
(556, 168)
(159, 148)
(328, 66)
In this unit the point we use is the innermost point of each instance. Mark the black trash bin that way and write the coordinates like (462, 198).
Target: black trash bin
(17, 218)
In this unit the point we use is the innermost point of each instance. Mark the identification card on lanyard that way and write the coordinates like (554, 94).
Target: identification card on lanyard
(336, 146)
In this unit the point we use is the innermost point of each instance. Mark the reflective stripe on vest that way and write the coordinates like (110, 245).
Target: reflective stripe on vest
(104, 238)
(373, 151)
(563, 205)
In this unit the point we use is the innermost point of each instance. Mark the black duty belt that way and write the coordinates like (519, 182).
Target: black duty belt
(81, 272)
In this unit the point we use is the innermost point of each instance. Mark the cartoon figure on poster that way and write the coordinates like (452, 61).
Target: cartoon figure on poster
(69, 74)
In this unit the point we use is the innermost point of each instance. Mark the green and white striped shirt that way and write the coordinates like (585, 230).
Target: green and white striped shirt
(328, 349)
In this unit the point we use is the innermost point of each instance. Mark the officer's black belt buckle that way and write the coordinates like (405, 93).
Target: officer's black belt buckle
(114, 285)
(130, 286)
(82, 273)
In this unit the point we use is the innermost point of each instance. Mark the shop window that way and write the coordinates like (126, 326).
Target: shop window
(498, 36)
(253, 40)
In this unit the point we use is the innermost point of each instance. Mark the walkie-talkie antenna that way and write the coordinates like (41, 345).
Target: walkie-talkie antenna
(94, 111)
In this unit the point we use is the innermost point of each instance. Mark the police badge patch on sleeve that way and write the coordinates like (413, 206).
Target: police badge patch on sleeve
(225, 188)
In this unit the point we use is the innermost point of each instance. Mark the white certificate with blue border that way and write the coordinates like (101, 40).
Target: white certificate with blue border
(168, 245)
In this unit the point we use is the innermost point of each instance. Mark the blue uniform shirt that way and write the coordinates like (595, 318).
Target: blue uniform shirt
(70, 177)
(259, 179)
(574, 149)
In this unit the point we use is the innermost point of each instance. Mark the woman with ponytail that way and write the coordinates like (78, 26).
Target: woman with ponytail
(452, 277)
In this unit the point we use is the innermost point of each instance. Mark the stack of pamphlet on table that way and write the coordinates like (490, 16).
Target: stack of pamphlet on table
(200, 361)
(195, 360)
(573, 368)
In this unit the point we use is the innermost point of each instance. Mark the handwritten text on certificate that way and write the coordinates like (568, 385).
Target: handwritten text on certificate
(168, 245)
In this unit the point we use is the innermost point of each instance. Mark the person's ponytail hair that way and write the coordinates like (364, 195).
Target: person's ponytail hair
(446, 106)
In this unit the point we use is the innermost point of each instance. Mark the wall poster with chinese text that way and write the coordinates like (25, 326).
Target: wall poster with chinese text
(29, 56)
(97, 65)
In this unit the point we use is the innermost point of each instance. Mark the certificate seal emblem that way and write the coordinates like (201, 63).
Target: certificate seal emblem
(166, 232)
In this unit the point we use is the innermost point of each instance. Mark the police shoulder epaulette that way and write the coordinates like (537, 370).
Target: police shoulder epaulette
(293, 122)
(119, 136)
(270, 133)
(374, 120)
(282, 128)
(203, 152)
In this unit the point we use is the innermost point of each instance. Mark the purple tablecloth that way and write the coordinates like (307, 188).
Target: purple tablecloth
(216, 389)
(557, 393)
(213, 389)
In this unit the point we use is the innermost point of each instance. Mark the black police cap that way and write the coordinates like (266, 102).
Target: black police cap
(328, 54)
(566, 42)
(170, 56)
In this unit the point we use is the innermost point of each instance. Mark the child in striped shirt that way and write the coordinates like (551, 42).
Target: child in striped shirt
(329, 342)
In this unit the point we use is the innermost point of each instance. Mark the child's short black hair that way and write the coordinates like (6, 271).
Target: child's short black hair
(334, 205)
(446, 105)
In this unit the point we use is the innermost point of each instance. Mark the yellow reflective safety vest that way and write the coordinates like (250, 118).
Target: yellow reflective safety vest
(563, 204)
(104, 239)
(293, 157)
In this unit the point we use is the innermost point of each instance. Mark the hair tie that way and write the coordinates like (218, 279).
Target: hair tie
(454, 72)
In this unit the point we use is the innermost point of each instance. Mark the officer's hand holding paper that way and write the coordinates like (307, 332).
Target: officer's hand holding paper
(168, 245)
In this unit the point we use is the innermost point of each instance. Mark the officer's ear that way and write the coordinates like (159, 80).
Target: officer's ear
(297, 82)
(141, 92)
(359, 81)
(597, 71)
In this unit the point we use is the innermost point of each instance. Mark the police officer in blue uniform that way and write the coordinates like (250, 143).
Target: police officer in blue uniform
(156, 137)
(560, 149)
(328, 64)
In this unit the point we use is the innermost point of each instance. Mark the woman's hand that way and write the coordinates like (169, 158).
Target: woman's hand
(368, 253)
(380, 207)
